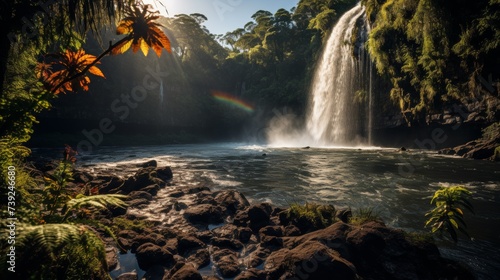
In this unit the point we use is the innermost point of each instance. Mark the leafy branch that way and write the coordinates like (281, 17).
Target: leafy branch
(142, 33)
(448, 214)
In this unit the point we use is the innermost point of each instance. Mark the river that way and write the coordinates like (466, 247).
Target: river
(397, 185)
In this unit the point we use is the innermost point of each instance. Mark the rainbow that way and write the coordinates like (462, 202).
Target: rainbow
(229, 99)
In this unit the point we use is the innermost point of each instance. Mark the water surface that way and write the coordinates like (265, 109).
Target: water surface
(397, 185)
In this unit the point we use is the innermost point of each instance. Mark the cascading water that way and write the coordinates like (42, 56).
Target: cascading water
(333, 118)
(340, 109)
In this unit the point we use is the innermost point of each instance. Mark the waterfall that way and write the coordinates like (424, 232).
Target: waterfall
(333, 118)
(340, 111)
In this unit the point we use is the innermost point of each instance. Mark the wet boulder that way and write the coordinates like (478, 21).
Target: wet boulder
(259, 215)
(311, 260)
(150, 254)
(204, 214)
(232, 200)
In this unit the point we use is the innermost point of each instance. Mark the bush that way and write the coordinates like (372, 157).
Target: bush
(311, 215)
(448, 214)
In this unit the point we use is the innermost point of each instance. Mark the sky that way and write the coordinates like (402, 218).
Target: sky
(223, 15)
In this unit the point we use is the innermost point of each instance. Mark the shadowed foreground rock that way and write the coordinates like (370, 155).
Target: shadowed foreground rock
(193, 227)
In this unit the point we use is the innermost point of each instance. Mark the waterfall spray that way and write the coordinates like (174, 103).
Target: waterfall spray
(340, 105)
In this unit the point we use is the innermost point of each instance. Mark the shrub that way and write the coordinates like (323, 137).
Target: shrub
(447, 216)
(316, 215)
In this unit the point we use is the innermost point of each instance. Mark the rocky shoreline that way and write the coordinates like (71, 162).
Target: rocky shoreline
(191, 228)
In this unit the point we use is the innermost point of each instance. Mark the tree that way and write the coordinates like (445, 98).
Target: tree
(24, 22)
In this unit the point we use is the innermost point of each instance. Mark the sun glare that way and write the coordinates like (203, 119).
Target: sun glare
(161, 6)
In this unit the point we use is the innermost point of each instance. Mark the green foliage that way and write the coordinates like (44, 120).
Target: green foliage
(139, 226)
(59, 251)
(431, 54)
(320, 216)
(364, 215)
(447, 216)
(491, 132)
(100, 201)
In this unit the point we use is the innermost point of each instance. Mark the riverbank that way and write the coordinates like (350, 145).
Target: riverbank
(197, 233)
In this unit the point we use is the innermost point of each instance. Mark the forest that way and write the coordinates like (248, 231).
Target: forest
(429, 59)
(73, 70)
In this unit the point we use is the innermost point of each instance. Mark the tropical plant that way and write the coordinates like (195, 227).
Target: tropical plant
(363, 215)
(142, 30)
(448, 214)
(43, 252)
(142, 33)
(67, 64)
(66, 220)
(315, 215)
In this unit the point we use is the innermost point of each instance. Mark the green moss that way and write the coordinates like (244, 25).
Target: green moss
(320, 216)
(364, 215)
(139, 226)
(491, 132)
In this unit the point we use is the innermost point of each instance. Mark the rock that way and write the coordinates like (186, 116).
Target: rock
(149, 254)
(117, 210)
(257, 257)
(344, 214)
(252, 274)
(201, 258)
(244, 234)
(82, 177)
(186, 272)
(368, 240)
(227, 243)
(152, 189)
(482, 151)
(227, 263)
(156, 272)
(204, 214)
(241, 218)
(311, 260)
(197, 189)
(111, 257)
(112, 185)
(138, 202)
(271, 231)
(187, 243)
(176, 194)
(292, 230)
(143, 178)
(232, 200)
(128, 276)
(151, 163)
(164, 173)
(229, 231)
(259, 215)
(140, 195)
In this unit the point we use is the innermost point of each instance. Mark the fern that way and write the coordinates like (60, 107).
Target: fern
(49, 237)
(41, 248)
(101, 201)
